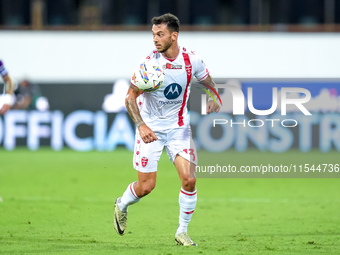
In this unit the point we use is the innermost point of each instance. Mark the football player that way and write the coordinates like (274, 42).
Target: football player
(162, 121)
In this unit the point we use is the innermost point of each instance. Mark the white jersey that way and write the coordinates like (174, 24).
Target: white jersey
(167, 107)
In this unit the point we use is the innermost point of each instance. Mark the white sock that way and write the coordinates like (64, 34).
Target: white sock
(129, 198)
(187, 203)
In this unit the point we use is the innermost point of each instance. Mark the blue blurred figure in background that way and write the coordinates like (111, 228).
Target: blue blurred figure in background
(28, 96)
(6, 100)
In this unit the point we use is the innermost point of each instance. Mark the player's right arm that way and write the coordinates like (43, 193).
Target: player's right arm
(145, 132)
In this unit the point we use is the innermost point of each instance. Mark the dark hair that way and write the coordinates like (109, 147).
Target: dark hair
(171, 21)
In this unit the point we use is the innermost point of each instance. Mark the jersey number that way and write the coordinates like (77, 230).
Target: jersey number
(190, 152)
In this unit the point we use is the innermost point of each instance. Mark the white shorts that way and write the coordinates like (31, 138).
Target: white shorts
(177, 141)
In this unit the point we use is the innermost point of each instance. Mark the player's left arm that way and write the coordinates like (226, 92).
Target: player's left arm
(211, 105)
(9, 90)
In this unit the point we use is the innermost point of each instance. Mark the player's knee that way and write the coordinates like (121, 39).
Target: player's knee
(189, 183)
(146, 191)
(147, 188)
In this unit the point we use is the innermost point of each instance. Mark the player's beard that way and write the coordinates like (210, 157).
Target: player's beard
(166, 46)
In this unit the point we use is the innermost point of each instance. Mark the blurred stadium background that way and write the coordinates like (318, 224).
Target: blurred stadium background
(61, 159)
(82, 53)
(241, 15)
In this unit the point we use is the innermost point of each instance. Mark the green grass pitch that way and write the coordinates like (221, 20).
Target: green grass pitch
(62, 203)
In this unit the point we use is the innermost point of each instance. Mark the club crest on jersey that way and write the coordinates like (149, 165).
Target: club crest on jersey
(172, 91)
(171, 66)
(144, 161)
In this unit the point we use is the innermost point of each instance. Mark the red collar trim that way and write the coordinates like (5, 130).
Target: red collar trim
(171, 59)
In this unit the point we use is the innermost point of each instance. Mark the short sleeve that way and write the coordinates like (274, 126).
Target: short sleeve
(201, 71)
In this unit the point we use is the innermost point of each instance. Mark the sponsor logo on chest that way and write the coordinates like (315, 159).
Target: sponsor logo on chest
(172, 91)
(171, 66)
